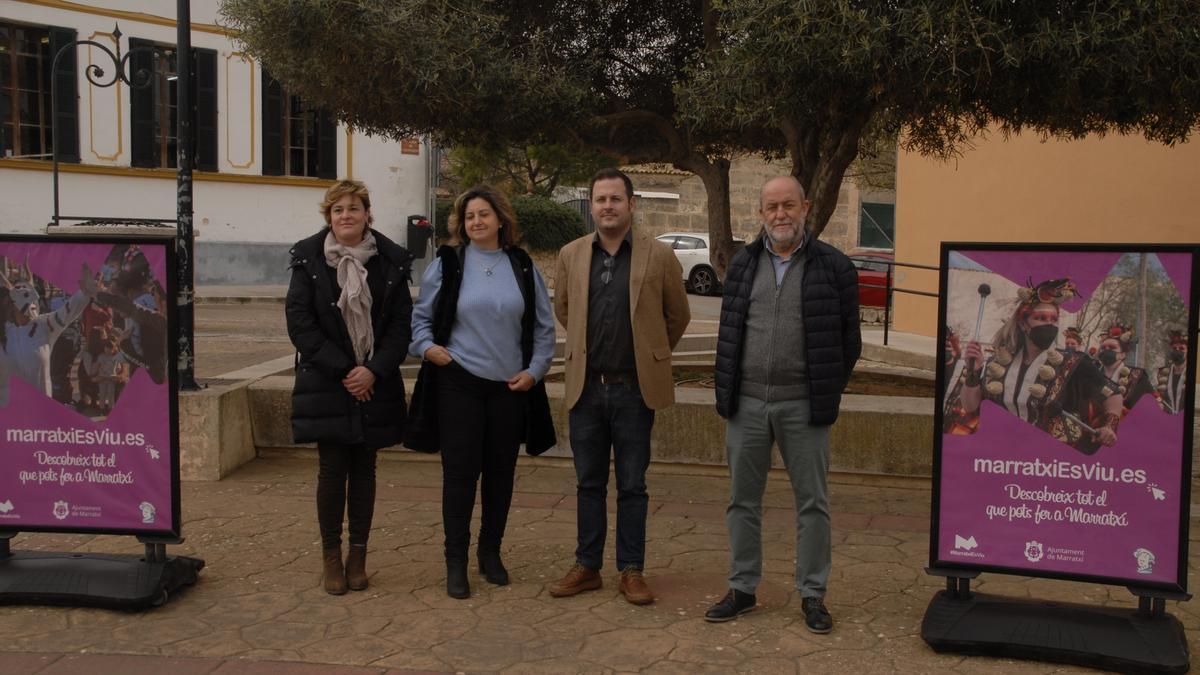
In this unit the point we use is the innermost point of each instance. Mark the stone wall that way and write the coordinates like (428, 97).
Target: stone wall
(689, 213)
(874, 434)
(215, 436)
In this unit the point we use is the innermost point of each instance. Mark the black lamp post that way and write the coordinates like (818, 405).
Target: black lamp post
(184, 245)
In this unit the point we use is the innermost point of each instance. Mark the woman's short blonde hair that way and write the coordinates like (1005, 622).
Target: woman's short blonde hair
(509, 234)
(342, 188)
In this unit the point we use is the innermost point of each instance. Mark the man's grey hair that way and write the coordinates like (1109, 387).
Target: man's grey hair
(764, 187)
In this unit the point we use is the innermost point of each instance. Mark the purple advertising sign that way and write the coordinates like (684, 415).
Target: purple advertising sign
(1066, 412)
(87, 407)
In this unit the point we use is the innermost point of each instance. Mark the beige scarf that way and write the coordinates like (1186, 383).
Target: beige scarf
(355, 300)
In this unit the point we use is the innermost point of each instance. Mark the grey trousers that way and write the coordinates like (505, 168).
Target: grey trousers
(805, 450)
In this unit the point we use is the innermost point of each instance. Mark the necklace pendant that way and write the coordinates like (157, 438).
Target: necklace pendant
(487, 272)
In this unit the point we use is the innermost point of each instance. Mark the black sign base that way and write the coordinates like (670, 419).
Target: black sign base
(1098, 637)
(93, 579)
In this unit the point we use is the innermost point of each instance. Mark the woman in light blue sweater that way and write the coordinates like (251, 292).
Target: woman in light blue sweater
(488, 295)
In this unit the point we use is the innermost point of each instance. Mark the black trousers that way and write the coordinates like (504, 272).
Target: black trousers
(345, 478)
(481, 427)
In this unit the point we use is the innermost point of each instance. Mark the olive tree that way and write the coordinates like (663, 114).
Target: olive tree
(533, 169)
(826, 74)
(506, 73)
(693, 83)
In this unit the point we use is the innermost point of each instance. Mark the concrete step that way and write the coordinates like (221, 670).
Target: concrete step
(691, 348)
(226, 425)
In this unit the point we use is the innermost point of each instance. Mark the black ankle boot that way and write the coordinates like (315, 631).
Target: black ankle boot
(456, 579)
(492, 568)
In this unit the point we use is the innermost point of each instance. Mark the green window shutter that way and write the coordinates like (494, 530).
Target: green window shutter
(272, 126)
(142, 146)
(204, 82)
(877, 226)
(326, 145)
(66, 93)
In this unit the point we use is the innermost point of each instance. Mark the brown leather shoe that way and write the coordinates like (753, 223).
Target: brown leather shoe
(577, 580)
(356, 568)
(633, 587)
(334, 577)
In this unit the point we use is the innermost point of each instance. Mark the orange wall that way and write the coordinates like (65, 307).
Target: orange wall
(1117, 189)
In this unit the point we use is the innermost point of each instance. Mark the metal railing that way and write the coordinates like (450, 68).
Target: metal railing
(585, 211)
(891, 289)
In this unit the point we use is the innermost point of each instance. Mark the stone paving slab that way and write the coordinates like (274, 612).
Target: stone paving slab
(258, 609)
(106, 664)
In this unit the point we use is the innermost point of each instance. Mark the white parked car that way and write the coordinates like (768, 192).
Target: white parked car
(692, 249)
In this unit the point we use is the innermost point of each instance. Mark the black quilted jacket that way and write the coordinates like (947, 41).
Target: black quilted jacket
(833, 341)
(322, 409)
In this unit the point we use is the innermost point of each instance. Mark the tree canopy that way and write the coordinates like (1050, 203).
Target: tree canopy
(595, 73)
(936, 72)
(504, 71)
(693, 83)
(534, 169)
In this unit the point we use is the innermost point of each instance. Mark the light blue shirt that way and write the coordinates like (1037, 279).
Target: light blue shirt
(777, 261)
(486, 336)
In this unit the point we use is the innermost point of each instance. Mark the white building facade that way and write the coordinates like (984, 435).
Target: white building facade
(263, 159)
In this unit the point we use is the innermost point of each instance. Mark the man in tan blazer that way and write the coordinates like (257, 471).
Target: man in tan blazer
(620, 294)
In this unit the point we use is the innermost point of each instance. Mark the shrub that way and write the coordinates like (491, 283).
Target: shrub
(546, 225)
(442, 219)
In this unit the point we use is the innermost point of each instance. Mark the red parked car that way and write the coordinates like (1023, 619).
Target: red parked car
(873, 270)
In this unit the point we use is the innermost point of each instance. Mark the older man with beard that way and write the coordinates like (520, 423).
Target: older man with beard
(788, 341)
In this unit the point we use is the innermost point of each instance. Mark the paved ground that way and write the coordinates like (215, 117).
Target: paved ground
(230, 337)
(257, 607)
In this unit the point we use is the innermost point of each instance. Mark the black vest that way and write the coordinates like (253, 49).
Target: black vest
(421, 432)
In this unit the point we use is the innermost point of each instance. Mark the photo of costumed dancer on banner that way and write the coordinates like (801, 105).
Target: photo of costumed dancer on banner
(1065, 420)
(84, 387)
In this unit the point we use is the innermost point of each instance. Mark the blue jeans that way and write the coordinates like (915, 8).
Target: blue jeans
(611, 416)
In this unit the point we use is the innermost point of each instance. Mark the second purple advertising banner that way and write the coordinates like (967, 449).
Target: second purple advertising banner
(1066, 412)
(86, 387)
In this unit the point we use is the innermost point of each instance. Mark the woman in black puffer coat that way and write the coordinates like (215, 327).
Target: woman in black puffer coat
(348, 314)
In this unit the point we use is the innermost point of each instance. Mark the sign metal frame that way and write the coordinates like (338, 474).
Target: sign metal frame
(169, 388)
(964, 569)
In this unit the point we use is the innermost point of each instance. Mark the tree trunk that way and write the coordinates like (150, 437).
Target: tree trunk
(714, 173)
(823, 191)
(820, 165)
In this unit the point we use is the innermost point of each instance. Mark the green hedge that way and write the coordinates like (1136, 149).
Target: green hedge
(442, 215)
(545, 225)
